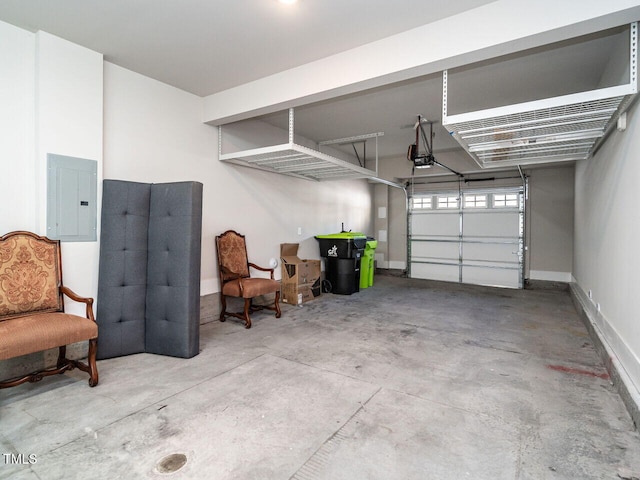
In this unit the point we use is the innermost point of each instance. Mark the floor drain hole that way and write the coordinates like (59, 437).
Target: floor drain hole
(172, 463)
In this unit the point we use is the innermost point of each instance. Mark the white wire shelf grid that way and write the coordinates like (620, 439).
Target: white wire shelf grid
(565, 128)
(303, 162)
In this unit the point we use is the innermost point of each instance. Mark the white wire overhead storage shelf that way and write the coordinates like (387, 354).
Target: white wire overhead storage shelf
(297, 161)
(566, 128)
(303, 162)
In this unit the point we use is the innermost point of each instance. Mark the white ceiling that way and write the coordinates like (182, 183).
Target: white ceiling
(205, 47)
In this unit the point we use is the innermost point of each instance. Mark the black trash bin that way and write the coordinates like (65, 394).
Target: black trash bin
(342, 253)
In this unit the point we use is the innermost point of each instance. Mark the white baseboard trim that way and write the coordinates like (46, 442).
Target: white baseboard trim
(550, 276)
(209, 286)
(396, 265)
(624, 363)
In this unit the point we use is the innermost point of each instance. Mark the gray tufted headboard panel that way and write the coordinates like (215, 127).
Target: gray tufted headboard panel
(173, 269)
(122, 282)
(149, 280)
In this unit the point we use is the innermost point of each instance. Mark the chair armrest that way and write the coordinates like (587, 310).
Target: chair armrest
(75, 297)
(262, 269)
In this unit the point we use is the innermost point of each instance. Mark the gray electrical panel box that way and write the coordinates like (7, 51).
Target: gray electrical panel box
(71, 198)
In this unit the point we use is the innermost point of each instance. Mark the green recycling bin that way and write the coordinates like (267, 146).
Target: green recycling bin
(367, 263)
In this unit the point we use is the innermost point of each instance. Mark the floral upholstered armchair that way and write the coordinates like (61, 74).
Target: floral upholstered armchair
(32, 316)
(236, 281)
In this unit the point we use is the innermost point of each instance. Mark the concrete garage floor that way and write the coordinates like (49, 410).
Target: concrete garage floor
(406, 380)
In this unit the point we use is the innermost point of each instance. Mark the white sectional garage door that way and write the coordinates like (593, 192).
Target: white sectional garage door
(473, 236)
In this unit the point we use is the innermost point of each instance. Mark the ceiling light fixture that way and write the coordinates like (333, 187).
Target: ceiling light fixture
(288, 2)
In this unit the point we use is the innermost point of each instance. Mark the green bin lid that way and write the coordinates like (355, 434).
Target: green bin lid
(343, 235)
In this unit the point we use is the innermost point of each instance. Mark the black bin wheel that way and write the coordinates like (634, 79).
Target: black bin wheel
(326, 286)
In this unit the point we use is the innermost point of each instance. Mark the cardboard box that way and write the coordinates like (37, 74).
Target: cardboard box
(300, 278)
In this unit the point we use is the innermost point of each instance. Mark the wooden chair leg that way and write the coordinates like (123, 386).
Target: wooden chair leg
(223, 312)
(62, 357)
(277, 304)
(247, 309)
(91, 359)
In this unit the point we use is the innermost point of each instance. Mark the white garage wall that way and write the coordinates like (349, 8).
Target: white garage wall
(17, 156)
(607, 234)
(151, 133)
(51, 102)
(69, 122)
(550, 223)
(154, 133)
